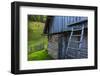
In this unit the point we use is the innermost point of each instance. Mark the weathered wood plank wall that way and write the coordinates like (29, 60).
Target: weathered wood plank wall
(57, 45)
(59, 23)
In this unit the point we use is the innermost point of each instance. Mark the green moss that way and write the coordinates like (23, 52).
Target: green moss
(39, 55)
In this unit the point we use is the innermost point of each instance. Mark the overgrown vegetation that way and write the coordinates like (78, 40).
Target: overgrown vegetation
(37, 18)
(39, 55)
(37, 41)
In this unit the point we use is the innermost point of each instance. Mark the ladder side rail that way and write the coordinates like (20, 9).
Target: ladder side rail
(81, 39)
(69, 41)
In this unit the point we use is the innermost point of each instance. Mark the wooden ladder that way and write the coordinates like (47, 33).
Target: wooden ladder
(80, 42)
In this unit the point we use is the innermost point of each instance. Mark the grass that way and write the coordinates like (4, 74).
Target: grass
(35, 36)
(37, 43)
(39, 55)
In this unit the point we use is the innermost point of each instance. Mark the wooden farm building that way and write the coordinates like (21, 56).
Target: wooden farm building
(67, 37)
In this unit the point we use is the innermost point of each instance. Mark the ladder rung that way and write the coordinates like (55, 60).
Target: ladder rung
(76, 35)
(74, 48)
(77, 30)
(75, 41)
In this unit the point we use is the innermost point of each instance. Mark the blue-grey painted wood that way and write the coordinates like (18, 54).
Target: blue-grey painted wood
(72, 50)
(60, 23)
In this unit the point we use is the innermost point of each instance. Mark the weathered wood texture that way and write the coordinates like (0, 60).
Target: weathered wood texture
(61, 23)
(58, 43)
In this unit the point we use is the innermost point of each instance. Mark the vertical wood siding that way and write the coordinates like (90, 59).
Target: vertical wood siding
(60, 23)
(58, 48)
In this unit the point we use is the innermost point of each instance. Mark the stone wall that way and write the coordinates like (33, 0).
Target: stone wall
(53, 46)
